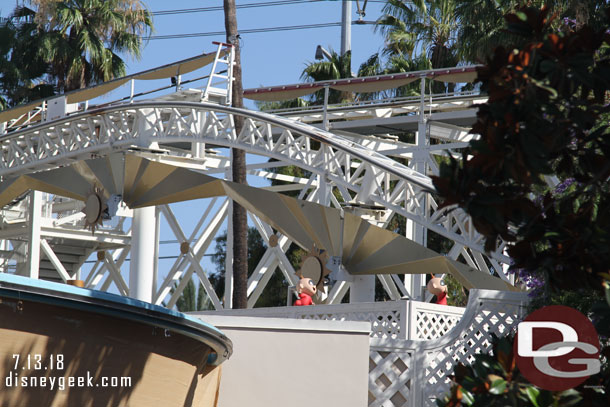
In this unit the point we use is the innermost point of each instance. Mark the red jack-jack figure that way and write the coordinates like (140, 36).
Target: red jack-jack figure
(306, 288)
(436, 286)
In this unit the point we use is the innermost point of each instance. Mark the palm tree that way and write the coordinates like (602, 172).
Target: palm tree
(238, 168)
(418, 35)
(337, 67)
(416, 27)
(82, 39)
(397, 63)
(482, 27)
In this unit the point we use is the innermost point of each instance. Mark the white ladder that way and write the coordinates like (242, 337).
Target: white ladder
(220, 82)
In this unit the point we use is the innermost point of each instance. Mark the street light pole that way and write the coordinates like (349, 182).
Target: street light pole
(346, 26)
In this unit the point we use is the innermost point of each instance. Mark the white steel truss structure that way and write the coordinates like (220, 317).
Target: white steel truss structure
(349, 166)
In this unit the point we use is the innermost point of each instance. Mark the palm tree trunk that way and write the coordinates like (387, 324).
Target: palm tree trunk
(240, 217)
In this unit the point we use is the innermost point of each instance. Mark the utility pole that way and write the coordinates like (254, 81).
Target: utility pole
(346, 26)
(239, 218)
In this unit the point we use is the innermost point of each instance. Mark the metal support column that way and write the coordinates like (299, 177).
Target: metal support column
(346, 26)
(143, 245)
(415, 282)
(362, 289)
(325, 114)
(35, 214)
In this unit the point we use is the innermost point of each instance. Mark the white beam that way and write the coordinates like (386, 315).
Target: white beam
(194, 260)
(114, 274)
(61, 270)
(35, 215)
(142, 253)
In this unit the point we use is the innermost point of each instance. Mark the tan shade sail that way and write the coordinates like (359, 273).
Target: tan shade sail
(208, 389)
(457, 77)
(81, 95)
(288, 93)
(362, 85)
(15, 112)
(363, 247)
(179, 68)
(366, 86)
(141, 182)
(94, 91)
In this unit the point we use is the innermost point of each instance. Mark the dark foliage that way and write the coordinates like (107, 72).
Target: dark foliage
(546, 115)
(22, 67)
(494, 380)
(275, 293)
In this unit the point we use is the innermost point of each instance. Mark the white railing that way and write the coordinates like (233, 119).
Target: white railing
(413, 373)
(402, 319)
(415, 345)
(436, 98)
(215, 88)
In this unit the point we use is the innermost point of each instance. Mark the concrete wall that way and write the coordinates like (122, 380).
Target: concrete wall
(297, 363)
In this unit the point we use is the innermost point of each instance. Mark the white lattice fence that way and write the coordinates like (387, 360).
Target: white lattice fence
(391, 319)
(384, 324)
(390, 377)
(492, 318)
(388, 319)
(413, 372)
(431, 321)
(426, 377)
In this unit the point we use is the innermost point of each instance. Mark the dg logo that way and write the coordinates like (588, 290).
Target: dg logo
(557, 348)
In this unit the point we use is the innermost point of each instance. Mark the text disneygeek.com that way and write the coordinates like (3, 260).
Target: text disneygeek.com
(61, 383)
(28, 371)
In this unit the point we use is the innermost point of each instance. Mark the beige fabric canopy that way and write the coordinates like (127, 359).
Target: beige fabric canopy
(364, 248)
(179, 68)
(81, 95)
(289, 92)
(362, 85)
(15, 112)
(457, 77)
(94, 91)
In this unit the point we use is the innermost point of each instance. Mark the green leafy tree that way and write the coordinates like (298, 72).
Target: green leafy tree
(481, 27)
(82, 39)
(22, 69)
(275, 292)
(377, 65)
(192, 299)
(418, 35)
(282, 104)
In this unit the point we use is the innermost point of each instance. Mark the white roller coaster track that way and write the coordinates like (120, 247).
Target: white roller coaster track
(360, 169)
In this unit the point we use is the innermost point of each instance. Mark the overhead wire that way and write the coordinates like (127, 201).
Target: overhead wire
(247, 5)
(252, 30)
(255, 30)
(219, 8)
(246, 31)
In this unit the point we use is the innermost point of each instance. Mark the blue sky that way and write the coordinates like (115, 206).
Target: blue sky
(272, 58)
